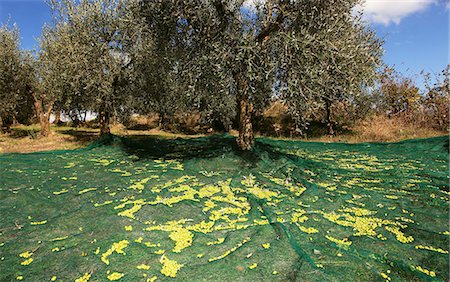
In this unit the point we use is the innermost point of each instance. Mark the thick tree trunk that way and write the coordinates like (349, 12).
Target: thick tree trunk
(45, 125)
(43, 116)
(246, 138)
(105, 123)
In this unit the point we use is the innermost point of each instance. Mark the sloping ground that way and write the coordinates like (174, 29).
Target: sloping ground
(199, 210)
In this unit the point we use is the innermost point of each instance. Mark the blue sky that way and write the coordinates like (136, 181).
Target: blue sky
(416, 32)
(419, 41)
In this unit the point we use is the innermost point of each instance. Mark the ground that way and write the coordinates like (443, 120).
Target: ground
(25, 139)
(143, 208)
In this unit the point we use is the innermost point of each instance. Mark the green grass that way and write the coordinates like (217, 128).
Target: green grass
(289, 211)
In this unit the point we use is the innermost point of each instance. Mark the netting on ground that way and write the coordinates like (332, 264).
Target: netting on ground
(141, 209)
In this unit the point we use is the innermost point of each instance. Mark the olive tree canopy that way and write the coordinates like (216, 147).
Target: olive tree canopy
(234, 56)
(10, 69)
(88, 56)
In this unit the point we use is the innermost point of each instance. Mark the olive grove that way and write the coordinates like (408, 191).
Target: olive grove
(226, 60)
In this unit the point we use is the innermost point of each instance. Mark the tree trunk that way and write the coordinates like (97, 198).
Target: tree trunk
(1, 124)
(328, 117)
(43, 116)
(105, 123)
(45, 123)
(163, 120)
(246, 138)
(14, 119)
(57, 117)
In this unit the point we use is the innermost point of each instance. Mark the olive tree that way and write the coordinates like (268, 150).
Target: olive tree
(238, 55)
(162, 58)
(398, 94)
(18, 77)
(88, 56)
(10, 69)
(436, 99)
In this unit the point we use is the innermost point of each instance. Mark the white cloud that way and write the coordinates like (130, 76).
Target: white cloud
(381, 11)
(393, 11)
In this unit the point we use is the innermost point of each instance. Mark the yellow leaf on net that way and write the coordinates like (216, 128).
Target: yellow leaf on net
(60, 192)
(83, 278)
(87, 190)
(143, 267)
(159, 252)
(26, 254)
(27, 262)
(169, 267)
(115, 276)
(38, 222)
(116, 247)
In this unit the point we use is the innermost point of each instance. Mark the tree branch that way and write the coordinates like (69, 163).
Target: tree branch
(272, 26)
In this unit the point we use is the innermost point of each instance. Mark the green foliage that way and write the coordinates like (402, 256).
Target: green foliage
(303, 52)
(87, 55)
(398, 94)
(436, 100)
(117, 57)
(10, 68)
(17, 79)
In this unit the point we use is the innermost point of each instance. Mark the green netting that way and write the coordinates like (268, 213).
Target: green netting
(199, 210)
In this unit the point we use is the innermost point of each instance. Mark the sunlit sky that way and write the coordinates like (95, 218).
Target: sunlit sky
(416, 32)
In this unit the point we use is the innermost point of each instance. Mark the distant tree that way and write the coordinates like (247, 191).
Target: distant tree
(233, 57)
(53, 81)
(397, 94)
(87, 53)
(10, 70)
(436, 100)
(16, 79)
(349, 110)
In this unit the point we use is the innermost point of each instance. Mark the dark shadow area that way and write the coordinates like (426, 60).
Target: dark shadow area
(140, 127)
(154, 147)
(317, 129)
(214, 146)
(22, 132)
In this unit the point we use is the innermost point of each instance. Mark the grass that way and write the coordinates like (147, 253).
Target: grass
(140, 207)
(26, 139)
(375, 129)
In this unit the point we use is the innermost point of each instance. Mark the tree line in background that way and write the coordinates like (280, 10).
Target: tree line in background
(227, 61)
